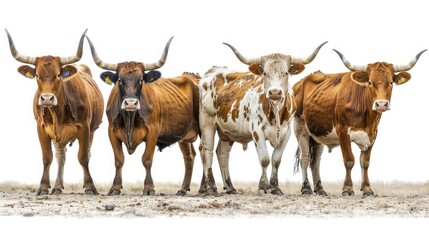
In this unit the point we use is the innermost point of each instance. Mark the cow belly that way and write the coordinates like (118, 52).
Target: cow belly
(238, 132)
(331, 139)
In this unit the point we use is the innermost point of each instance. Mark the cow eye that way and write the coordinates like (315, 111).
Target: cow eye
(140, 81)
(119, 81)
(391, 83)
(369, 83)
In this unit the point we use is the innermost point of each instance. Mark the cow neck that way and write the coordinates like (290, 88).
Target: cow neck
(129, 119)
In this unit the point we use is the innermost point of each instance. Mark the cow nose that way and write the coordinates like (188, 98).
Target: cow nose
(48, 100)
(381, 105)
(130, 104)
(275, 94)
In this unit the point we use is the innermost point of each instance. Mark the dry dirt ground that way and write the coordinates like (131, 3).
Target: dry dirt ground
(396, 199)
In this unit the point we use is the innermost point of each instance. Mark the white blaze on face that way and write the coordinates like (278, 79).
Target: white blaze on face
(361, 139)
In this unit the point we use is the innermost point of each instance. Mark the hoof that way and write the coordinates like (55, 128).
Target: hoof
(277, 192)
(114, 192)
(56, 191)
(233, 191)
(148, 192)
(41, 192)
(91, 192)
(262, 191)
(348, 193)
(181, 193)
(369, 194)
(321, 193)
(306, 192)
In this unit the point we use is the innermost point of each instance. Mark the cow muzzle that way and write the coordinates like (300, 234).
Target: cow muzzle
(275, 94)
(48, 100)
(130, 104)
(381, 105)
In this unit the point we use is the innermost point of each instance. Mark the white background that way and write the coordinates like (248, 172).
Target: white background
(364, 31)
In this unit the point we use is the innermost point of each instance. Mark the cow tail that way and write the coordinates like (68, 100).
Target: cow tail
(312, 155)
(297, 161)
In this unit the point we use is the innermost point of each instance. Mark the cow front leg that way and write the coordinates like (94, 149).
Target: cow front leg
(47, 156)
(364, 164)
(119, 163)
(275, 164)
(264, 160)
(147, 160)
(349, 162)
(189, 153)
(223, 150)
(83, 155)
(60, 154)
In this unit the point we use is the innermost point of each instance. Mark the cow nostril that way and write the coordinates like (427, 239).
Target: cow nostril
(52, 98)
(376, 104)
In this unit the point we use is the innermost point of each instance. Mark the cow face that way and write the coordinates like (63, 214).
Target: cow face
(275, 70)
(50, 75)
(130, 78)
(379, 78)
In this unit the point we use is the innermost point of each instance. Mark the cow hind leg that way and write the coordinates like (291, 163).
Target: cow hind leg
(315, 168)
(303, 154)
(60, 154)
(223, 150)
(189, 153)
(208, 130)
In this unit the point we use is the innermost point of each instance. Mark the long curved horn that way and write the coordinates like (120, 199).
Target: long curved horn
(400, 68)
(348, 65)
(16, 54)
(310, 58)
(98, 61)
(242, 58)
(78, 55)
(161, 62)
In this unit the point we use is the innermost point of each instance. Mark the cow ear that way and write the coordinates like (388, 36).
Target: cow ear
(68, 71)
(27, 71)
(256, 68)
(296, 68)
(109, 77)
(401, 78)
(361, 78)
(151, 76)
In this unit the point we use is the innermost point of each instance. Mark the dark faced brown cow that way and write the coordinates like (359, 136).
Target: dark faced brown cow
(68, 105)
(340, 109)
(158, 112)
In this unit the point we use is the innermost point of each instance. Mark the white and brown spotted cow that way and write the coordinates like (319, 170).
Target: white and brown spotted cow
(248, 106)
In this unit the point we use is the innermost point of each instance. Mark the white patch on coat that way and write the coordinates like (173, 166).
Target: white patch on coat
(361, 139)
(331, 140)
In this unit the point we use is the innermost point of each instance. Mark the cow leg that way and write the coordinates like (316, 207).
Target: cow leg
(223, 150)
(119, 163)
(85, 139)
(208, 130)
(47, 156)
(189, 153)
(147, 160)
(264, 160)
(303, 154)
(364, 164)
(315, 169)
(275, 164)
(349, 161)
(60, 154)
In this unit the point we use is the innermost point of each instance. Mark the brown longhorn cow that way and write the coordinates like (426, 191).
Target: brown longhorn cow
(340, 109)
(143, 108)
(68, 105)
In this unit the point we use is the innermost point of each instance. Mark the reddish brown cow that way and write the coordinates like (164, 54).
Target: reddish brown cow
(338, 109)
(158, 112)
(67, 106)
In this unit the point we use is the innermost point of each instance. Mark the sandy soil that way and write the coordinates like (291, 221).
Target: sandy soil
(391, 200)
